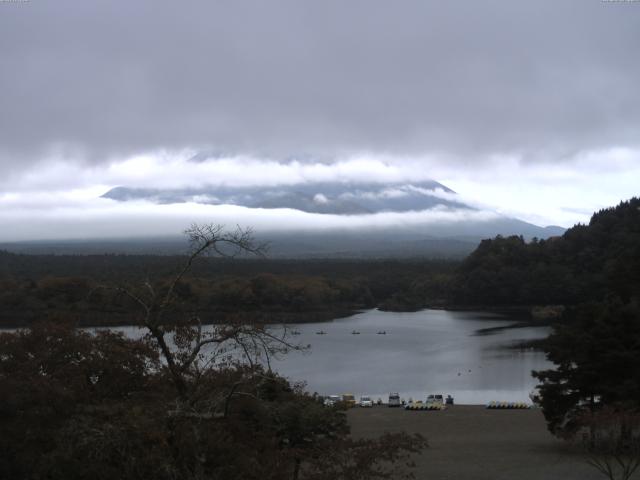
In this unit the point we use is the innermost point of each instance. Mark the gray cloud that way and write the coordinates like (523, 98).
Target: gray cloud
(98, 80)
(100, 218)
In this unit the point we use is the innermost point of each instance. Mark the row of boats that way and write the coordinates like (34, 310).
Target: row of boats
(508, 405)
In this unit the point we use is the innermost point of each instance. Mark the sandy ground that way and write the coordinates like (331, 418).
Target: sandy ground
(471, 442)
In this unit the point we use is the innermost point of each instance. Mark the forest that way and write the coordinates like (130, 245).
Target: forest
(144, 410)
(593, 273)
(37, 286)
(588, 262)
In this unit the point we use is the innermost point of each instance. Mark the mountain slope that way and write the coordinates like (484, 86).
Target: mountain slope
(443, 227)
(325, 198)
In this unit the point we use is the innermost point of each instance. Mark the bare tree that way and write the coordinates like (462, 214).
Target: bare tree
(191, 349)
(611, 440)
(233, 418)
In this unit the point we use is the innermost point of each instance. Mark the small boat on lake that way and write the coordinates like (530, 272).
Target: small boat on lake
(321, 332)
(355, 332)
(382, 332)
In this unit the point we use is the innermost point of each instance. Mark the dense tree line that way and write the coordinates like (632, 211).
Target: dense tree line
(596, 350)
(588, 262)
(36, 287)
(593, 391)
(594, 271)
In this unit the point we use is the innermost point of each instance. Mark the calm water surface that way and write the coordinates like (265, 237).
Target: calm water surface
(431, 351)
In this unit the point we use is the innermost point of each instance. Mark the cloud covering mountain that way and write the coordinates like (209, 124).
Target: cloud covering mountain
(337, 198)
(354, 218)
(529, 110)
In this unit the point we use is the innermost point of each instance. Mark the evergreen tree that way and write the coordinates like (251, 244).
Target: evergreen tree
(597, 356)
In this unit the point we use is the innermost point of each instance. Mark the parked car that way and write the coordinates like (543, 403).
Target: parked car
(435, 400)
(332, 400)
(366, 402)
(394, 399)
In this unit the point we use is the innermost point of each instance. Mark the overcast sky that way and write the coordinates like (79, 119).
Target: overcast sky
(525, 108)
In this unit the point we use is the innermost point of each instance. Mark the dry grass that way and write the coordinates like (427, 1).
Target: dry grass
(471, 442)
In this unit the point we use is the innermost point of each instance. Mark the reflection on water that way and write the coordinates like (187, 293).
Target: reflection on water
(431, 351)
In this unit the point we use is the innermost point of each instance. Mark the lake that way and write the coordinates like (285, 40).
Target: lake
(430, 351)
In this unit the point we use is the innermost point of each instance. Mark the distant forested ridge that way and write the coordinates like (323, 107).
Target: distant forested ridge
(587, 263)
(35, 287)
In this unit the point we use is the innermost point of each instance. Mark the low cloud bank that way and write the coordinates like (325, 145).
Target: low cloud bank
(560, 193)
(102, 218)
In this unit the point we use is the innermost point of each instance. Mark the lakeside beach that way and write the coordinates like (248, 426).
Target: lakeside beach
(470, 442)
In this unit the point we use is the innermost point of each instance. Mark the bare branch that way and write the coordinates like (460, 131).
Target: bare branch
(182, 360)
(137, 299)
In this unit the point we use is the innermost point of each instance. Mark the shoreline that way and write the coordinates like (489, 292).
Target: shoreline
(283, 317)
(521, 320)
